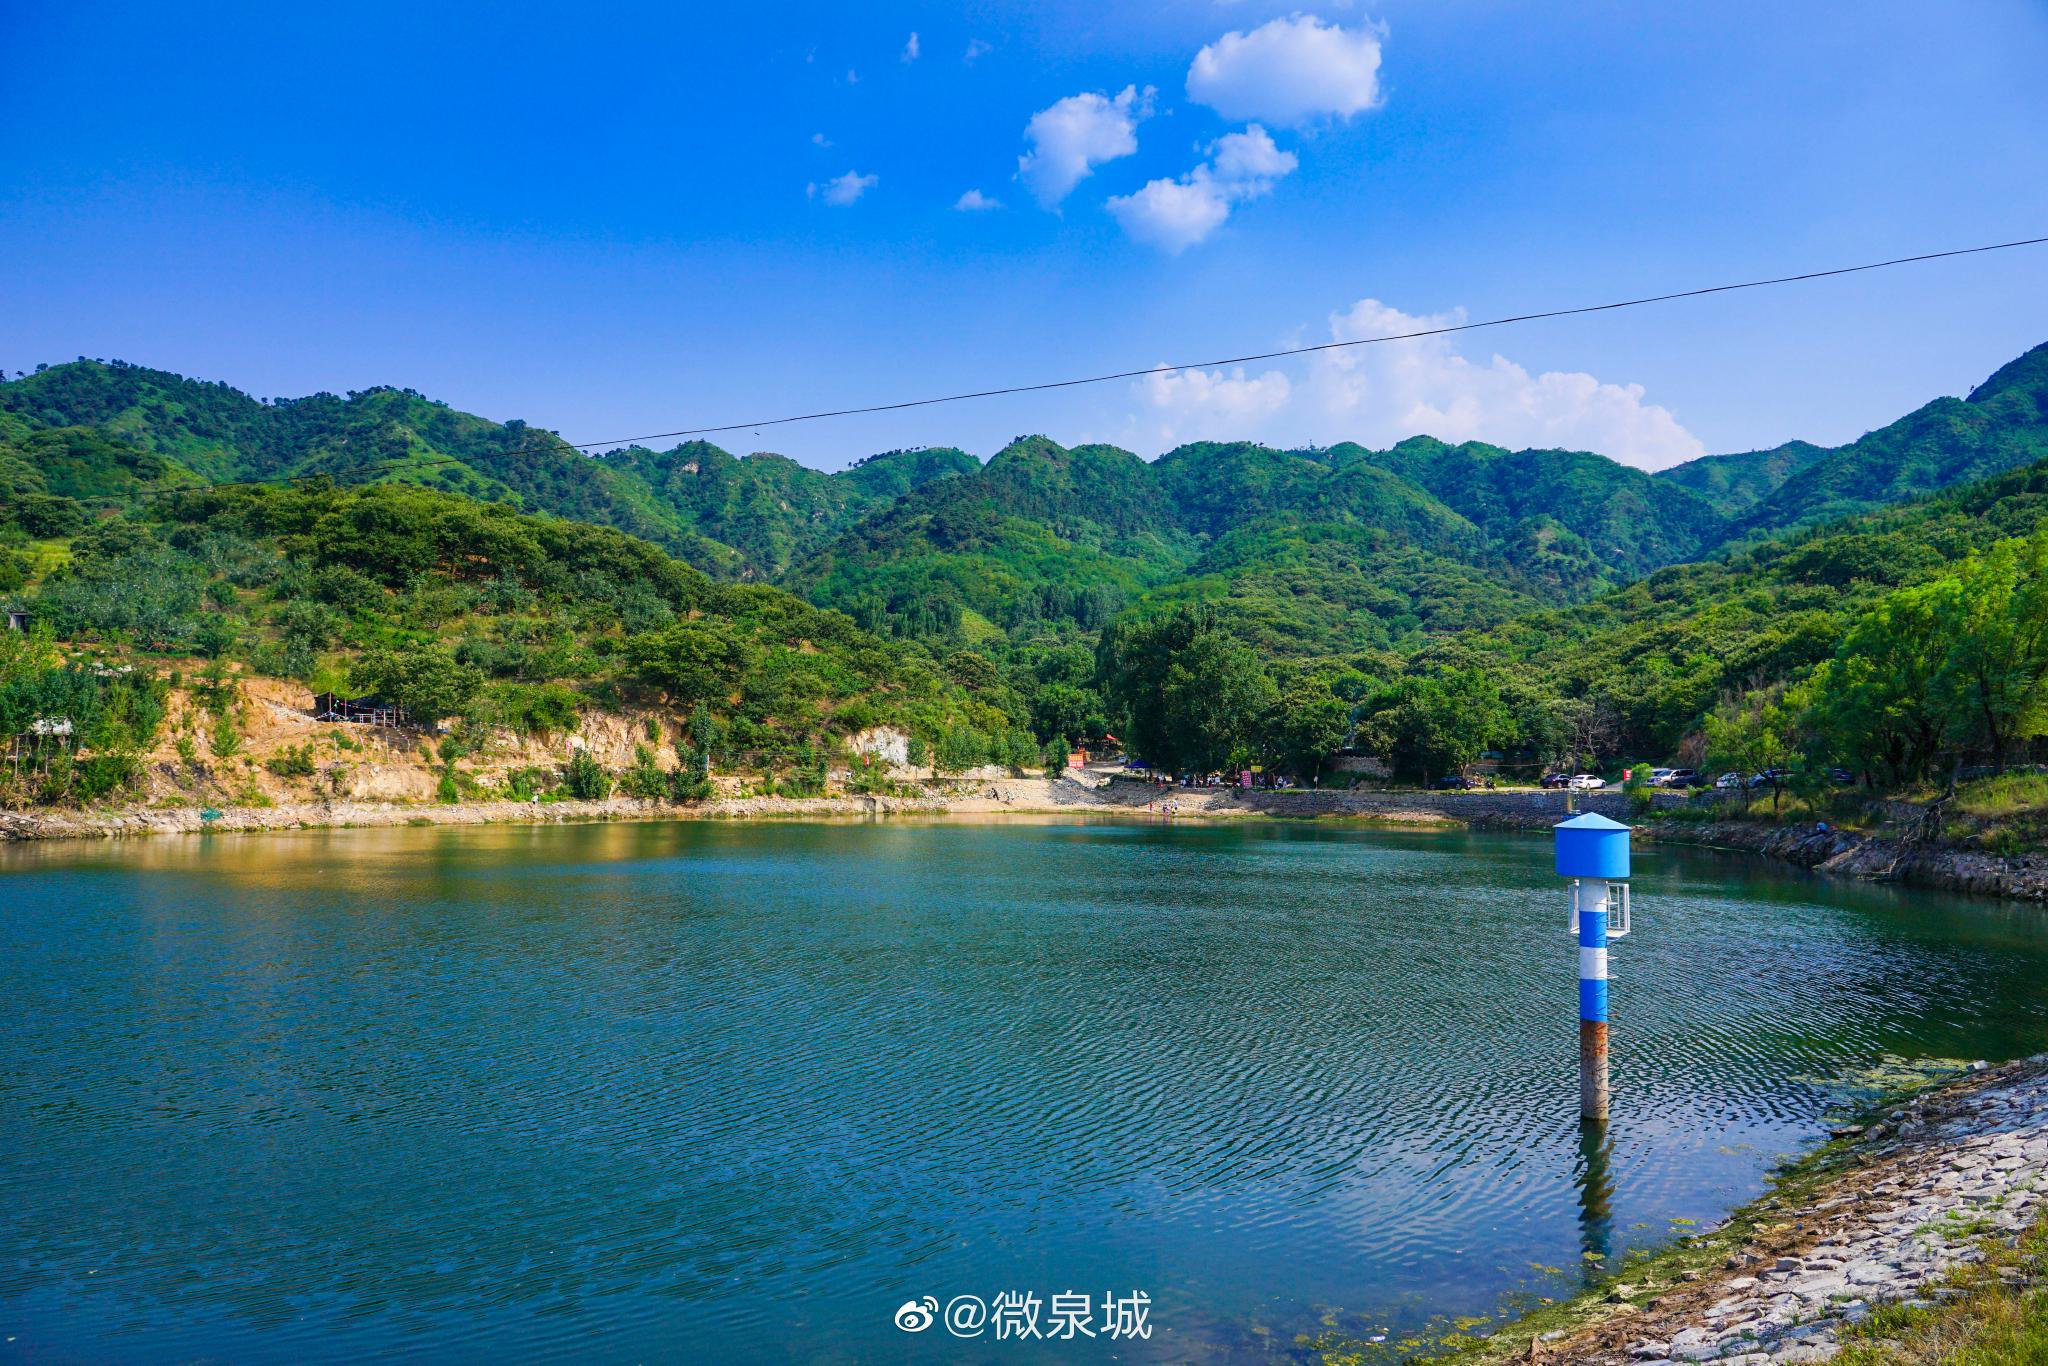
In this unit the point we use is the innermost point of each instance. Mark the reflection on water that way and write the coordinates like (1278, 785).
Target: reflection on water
(709, 1091)
(1594, 1178)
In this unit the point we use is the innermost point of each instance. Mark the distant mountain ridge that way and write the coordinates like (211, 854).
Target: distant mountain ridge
(1307, 550)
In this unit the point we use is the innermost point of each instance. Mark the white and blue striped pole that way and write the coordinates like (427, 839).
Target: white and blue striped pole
(1593, 852)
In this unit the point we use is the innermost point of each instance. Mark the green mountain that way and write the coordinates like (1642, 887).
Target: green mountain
(689, 500)
(1659, 652)
(1304, 552)
(770, 509)
(1733, 484)
(2001, 425)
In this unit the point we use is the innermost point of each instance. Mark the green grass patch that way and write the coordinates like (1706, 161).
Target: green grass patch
(1996, 1315)
(2005, 796)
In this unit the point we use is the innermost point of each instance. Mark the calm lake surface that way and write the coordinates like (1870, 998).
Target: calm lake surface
(718, 1092)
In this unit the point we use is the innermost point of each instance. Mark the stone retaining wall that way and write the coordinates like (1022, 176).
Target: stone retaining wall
(1485, 810)
(2024, 876)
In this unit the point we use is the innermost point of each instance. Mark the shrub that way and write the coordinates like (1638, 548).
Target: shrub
(102, 775)
(226, 739)
(644, 777)
(293, 761)
(686, 786)
(524, 784)
(585, 779)
(868, 775)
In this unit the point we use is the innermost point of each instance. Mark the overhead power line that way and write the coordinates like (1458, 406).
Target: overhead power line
(1322, 346)
(1114, 375)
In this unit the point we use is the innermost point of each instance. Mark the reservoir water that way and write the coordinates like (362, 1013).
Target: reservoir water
(720, 1092)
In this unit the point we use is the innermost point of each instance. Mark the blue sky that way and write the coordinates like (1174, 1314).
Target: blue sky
(612, 220)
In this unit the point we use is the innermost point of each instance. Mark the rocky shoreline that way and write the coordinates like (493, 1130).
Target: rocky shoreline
(1842, 853)
(1902, 1204)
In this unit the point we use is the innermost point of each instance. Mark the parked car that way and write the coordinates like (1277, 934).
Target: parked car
(1457, 782)
(1557, 780)
(1587, 782)
(1841, 777)
(1728, 780)
(1661, 777)
(1771, 777)
(1686, 777)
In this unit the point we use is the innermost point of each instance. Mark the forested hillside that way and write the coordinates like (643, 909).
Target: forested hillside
(1227, 603)
(457, 611)
(1308, 550)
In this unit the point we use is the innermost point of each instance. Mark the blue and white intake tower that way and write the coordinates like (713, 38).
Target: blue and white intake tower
(1593, 852)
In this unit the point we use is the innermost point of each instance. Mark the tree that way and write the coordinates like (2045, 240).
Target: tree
(1995, 615)
(1439, 723)
(972, 671)
(1875, 703)
(693, 661)
(1191, 698)
(1132, 661)
(1215, 701)
(427, 680)
(1753, 732)
(1309, 724)
(1066, 709)
(960, 747)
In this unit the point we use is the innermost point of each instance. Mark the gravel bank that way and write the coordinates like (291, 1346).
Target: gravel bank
(1925, 1186)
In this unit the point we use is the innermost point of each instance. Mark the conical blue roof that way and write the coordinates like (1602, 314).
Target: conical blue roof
(1590, 820)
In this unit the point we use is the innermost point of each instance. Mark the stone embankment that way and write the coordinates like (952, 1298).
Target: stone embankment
(1919, 862)
(55, 824)
(981, 797)
(1517, 810)
(1928, 1184)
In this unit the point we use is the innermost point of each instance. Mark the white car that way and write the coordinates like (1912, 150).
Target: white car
(1728, 780)
(1587, 782)
(1661, 777)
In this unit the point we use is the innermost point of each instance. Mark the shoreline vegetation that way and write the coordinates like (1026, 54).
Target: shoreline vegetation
(1916, 1234)
(1903, 853)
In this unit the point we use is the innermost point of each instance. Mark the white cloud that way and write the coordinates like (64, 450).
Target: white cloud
(910, 48)
(1210, 403)
(1073, 136)
(1173, 215)
(974, 201)
(1250, 160)
(977, 48)
(820, 140)
(1382, 393)
(1290, 71)
(842, 190)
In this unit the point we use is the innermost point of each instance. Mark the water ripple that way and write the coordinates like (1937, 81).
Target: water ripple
(709, 1092)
